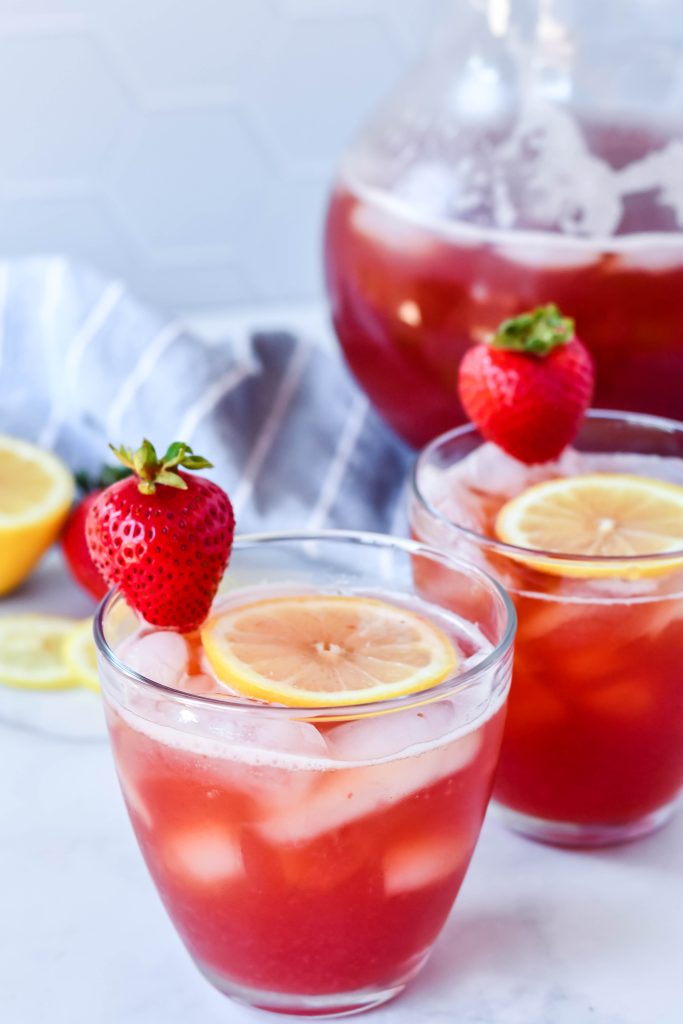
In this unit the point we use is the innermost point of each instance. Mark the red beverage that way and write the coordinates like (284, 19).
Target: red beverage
(301, 875)
(307, 859)
(593, 745)
(410, 290)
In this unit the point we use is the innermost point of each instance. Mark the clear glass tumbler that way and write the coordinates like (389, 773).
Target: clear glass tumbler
(309, 857)
(593, 746)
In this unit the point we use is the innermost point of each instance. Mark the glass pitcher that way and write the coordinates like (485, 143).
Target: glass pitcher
(535, 155)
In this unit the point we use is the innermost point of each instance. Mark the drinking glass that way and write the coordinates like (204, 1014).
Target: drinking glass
(309, 857)
(593, 746)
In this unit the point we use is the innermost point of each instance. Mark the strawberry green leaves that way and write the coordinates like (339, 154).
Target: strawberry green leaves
(536, 333)
(152, 470)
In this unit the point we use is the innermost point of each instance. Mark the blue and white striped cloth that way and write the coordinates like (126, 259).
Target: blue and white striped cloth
(292, 438)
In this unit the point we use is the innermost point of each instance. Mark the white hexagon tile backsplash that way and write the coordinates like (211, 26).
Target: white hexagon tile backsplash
(188, 147)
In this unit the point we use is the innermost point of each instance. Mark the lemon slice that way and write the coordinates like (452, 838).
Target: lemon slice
(611, 516)
(36, 490)
(79, 653)
(31, 652)
(319, 651)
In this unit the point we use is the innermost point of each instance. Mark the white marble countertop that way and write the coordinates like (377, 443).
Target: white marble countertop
(538, 936)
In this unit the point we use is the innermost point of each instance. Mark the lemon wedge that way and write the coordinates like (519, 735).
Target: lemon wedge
(616, 517)
(79, 653)
(326, 650)
(36, 490)
(31, 649)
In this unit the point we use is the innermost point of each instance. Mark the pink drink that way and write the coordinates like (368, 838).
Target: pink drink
(307, 860)
(593, 745)
(411, 291)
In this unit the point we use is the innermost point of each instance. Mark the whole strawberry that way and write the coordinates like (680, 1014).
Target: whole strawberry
(163, 536)
(73, 540)
(527, 390)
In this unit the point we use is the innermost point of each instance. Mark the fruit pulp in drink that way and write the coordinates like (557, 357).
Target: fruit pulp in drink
(594, 731)
(306, 856)
(410, 292)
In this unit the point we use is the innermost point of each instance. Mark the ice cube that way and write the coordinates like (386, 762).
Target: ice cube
(658, 171)
(379, 224)
(274, 761)
(272, 735)
(207, 854)
(527, 251)
(549, 616)
(428, 186)
(160, 656)
(420, 862)
(134, 801)
(660, 616)
(626, 702)
(276, 788)
(378, 737)
(344, 795)
(489, 470)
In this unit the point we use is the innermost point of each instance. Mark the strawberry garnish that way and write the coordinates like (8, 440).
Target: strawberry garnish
(163, 536)
(528, 389)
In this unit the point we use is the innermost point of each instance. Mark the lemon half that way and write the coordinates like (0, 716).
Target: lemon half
(36, 491)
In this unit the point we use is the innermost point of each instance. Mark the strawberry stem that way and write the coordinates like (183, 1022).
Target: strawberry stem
(152, 470)
(536, 333)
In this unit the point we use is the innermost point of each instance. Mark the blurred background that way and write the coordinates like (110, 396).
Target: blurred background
(189, 147)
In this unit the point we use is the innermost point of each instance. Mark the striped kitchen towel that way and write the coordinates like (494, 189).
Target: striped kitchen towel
(293, 439)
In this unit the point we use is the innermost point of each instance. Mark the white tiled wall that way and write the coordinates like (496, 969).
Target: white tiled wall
(188, 145)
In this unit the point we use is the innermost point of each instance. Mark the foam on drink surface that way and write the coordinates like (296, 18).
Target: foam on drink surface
(302, 782)
(265, 736)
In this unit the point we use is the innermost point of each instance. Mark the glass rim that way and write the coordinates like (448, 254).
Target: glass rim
(453, 684)
(513, 551)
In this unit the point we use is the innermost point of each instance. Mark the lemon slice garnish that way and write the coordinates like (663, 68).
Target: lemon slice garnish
(36, 490)
(322, 651)
(31, 655)
(80, 654)
(616, 517)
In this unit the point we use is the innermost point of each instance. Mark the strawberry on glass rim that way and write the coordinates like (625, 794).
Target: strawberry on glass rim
(309, 792)
(163, 535)
(528, 389)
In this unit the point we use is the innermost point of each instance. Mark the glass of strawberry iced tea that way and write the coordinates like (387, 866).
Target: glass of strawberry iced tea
(593, 745)
(307, 774)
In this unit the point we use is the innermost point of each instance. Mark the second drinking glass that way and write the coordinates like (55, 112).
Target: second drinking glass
(593, 745)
